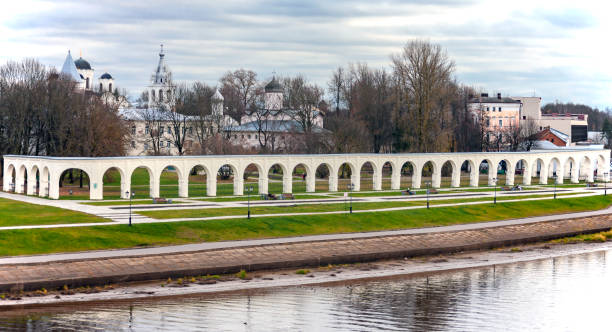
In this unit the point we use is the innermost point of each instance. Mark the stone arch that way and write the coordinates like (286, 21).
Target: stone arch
(115, 186)
(504, 172)
(198, 178)
(555, 170)
(602, 170)
(409, 175)
(228, 181)
(279, 184)
(570, 170)
(139, 185)
(469, 166)
(166, 182)
(586, 169)
(34, 181)
(388, 176)
(430, 173)
(522, 172)
(10, 185)
(262, 179)
(70, 190)
(367, 177)
(488, 167)
(347, 174)
(450, 175)
(539, 171)
(326, 170)
(306, 180)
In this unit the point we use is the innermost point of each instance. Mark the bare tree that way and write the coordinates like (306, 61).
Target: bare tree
(239, 88)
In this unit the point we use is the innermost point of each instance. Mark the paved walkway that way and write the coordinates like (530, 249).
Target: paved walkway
(292, 253)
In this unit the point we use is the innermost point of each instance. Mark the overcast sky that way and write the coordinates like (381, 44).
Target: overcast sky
(559, 50)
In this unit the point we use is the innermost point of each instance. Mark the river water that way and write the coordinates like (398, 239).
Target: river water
(570, 293)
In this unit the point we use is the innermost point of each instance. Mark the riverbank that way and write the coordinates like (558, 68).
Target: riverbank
(327, 275)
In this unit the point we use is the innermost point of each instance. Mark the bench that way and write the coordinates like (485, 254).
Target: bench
(408, 192)
(161, 200)
(287, 196)
(269, 197)
(506, 188)
(432, 191)
(591, 184)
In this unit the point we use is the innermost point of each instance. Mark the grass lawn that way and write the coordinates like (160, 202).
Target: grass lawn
(257, 197)
(15, 213)
(127, 202)
(38, 241)
(302, 208)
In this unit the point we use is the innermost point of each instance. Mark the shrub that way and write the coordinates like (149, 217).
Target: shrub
(302, 271)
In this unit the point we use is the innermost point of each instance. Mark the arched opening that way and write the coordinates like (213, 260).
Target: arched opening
(300, 176)
(35, 176)
(275, 177)
(570, 170)
(406, 175)
(448, 174)
(110, 87)
(501, 172)
(469, 174)
(197, 181)
(111, 184)
(161, 95)
(427, 173)
(323, 180)
(152, 95)
(12, 178)
(601, 170)
(253, 176)
(586, 169)
(346, 178)
(87, 83)
(169, 182)
(225, 180)
(101, 88)
(554, 170)
(539, 173)
(74, 184)
(366, 176)
(521, 172)
(387, 176)
(140, 182)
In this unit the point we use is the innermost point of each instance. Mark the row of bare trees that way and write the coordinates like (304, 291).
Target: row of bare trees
(41, 113)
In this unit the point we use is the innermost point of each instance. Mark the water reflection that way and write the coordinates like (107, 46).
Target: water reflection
(562, 294)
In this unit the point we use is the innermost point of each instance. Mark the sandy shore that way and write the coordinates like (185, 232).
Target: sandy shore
(322, 275)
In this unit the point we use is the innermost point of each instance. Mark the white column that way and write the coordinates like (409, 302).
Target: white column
(492, 174)
(575, 174)
(287, 183)
(19, 182)
(96, 187)
(154, 185)
(456, 177)
(31, 190)
(416, 177)
(474, 175)
(54, 185)
(544, 174)
(263, 183)
(183, 185)
(377, 178)
(333, 182)
(589, 170)
(559, 175)
(396, 178)
(436, 177)
(239, 185)
(356, 180)
(44, 187)
(510, 174)
(126, 186)
(211, 184)
(311, 182)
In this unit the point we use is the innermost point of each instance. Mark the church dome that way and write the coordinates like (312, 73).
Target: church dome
(274, 86)
(81, 63)
(106, 76)
(217, 96)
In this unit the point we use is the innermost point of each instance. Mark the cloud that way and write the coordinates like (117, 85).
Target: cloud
(493, 47)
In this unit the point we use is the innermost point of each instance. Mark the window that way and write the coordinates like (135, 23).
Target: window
(110, 87)
(146, 129)
(168, 144)
(500, 122)
(256, 136)
(169, 95)
(161, 144)
(524, 117)
(249, 136)
(152, 95)
(87, 83)
(146, 146)
(499, 109)
(133, 130)
(133, 145)
(169, 130)
(161, 95)
(101, 87)
(487, 108)
(190, 130)
(235, 136)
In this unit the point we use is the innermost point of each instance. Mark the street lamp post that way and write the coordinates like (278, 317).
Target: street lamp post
(427, 192)
(606, 183)
(249, 189)
(351, 187)
(495, 190)
(127, 193)
(555, 190)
